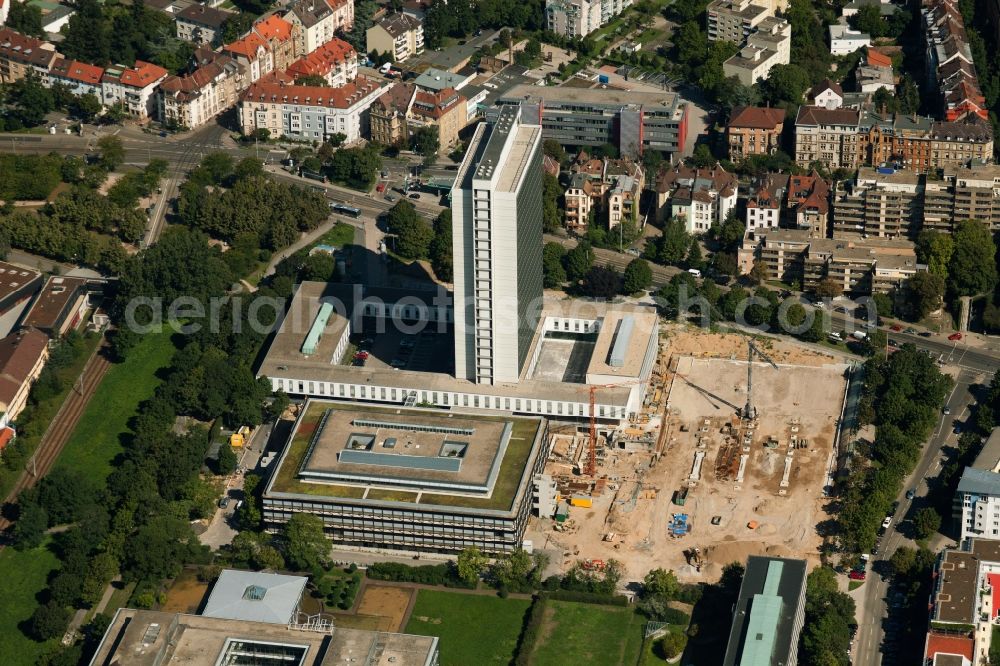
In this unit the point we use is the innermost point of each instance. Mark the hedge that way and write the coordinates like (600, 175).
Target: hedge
(531, 630)
(427, 574)
(589, 597)
(674, 616)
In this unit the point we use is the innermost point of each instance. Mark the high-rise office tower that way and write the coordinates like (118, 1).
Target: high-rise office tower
(496, 205)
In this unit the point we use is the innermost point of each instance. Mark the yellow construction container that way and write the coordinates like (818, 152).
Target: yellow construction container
(581, 501)
(236, 440)
(634, 432)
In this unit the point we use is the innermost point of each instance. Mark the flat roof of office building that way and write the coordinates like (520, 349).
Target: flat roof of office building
(255, 596)
(494, 452)
(156, 638)
(14, 278)
(956, 590)
(594, 96)
(52, 301)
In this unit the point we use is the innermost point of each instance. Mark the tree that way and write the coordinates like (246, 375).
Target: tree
(868, 19)
(553, 273)
(829, 288)
(85, 107)
(471, 564)
(924, 291)
(672, 645)
(29, 530)
(554, 149)
(815, 332)
(602, 282)
(551, 192)
(578, 261)
(786, 83)
(425, 140)
(660, 583)
(674, 244)
(112, 152)
(25, 19)
(758, 272)
(972, 269)
(441, 247)
(926, 521)
(235, 27)
(305, 544)
(413, 234)
(935, 248)
(227, 461)
(314, 80)
(638, 276)
(903, 560)
(49, 621)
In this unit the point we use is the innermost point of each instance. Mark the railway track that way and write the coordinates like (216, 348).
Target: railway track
(62, 426)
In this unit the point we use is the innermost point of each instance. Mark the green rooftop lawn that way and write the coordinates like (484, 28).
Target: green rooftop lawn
(518, 449)
(496, 624)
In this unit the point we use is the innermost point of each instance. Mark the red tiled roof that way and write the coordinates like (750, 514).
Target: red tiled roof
(941, 644)
(7, 433)
(77, 71)
(142, 75)
(338, 98)
(247, 46)
(876, 59)
(274, 27)
(323, 59)
(757, 117)
(435, 105)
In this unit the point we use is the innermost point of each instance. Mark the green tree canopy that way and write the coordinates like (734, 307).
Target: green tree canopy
(972, 269)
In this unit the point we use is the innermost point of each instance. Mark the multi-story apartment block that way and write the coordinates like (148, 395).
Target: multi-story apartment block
(497, 233)
(194, 99)
(315, 22)
(878, 203)
(388, 115)
(858, 267)
(950, 64)
(583, 195)
(309, 112)
(444, 109)
(631, 121)
(765, 205)
(754, 130)
(623, 201)
(201, 24)
(768, 45)
(399, 35)
(807, 204)
(336, 62)
(827, 135)
(977, 498)
(21, 55)
(251, 53)
(277, 35)
(79, 77)
(699, 197)
(578, 18)
(734, 20)
(132, 88)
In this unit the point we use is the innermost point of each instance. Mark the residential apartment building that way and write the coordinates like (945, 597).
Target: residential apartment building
(623, 201)
(963, 606)
(201, 24)
(251, 53)
(194, 99)
(399, 35)
(977, 498)
(583, 196)
(22, 357)
(308, 112)
(765, 205)
(734, 20)
(444, 109)
(336, 62)
(578, 18)
(769, 613)
(950, 65)
(21, 55)
(277, 35)
(857, 267)
(754, 130)
(874, 72)
(699, 197)
(790, 202)
(496, 207)
(844, 40)
(827, 135)
(768, 45)
(79, 77)
(878, 203)
(133, 88)
(316, 22)
(631, 121)
(388, 115)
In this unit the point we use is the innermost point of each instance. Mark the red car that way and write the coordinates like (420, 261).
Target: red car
(380, 188)
(361, 355)
(895, 328)
(955, 337)
(856, 575)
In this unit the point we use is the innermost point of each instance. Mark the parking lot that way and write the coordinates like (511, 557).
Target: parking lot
(423, 351)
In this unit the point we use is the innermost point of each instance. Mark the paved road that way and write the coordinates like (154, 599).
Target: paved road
(220, 531)
(868, 647)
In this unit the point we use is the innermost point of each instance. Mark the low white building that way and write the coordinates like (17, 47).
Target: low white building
(843, 40)
(133, 88)
(309, 112)
(977, 499)
(57, 19)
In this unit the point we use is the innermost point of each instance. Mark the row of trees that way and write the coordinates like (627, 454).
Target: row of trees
(826, 636)
(460, 18)
(577, 268)
(902, 396)
(27, 103)
(416, 239)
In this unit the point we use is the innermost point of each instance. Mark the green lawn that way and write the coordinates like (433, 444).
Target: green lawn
(24, 575)
(340, 235)
(97, 438)
(649, 649)
(495, 625)
(576, 633)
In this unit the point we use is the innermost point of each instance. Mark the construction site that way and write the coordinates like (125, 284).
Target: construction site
(709, 472)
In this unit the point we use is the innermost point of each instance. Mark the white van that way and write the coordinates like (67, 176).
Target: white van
(836, 336)
(695, 272)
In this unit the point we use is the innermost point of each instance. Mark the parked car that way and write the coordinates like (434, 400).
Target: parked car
(856, 575)
(362, 354)
(390, 198)
(958, 429)
(224, 502)
(925, 334)
(380, 188)
(895, 328)
(887, 522)
(414, 196)
(946, 411)
(954, 337)
(911, 493)
(910, 330)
